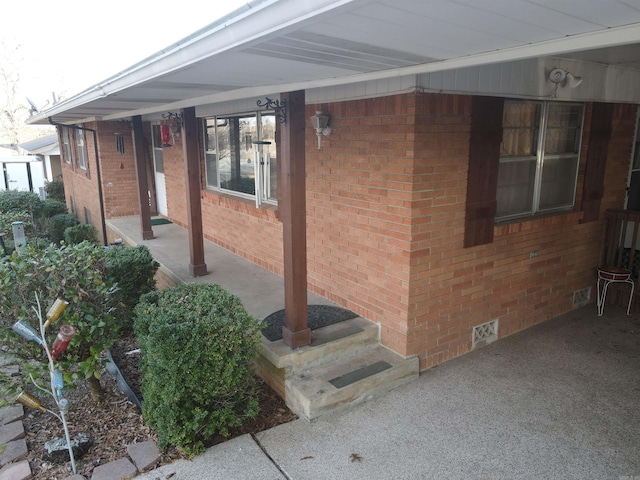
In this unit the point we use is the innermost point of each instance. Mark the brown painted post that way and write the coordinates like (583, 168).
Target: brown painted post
(140, 158)
(190, 153)
(293, 213)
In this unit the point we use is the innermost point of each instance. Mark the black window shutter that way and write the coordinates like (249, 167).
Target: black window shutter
(599, 136)
(484, 159)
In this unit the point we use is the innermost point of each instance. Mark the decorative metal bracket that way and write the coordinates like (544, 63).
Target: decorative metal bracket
(126, 123)
(279, 107)
(174, 116)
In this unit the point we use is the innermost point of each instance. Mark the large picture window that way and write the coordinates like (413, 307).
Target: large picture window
(240, 155)
(539, 158)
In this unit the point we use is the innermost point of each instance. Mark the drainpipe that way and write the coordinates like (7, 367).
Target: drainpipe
(98, 174)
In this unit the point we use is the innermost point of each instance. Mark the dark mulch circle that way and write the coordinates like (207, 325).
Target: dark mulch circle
(319, 316)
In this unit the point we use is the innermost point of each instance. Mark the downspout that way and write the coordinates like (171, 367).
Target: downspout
(98, 174)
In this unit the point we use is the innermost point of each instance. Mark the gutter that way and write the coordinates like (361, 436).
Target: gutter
(98, 172)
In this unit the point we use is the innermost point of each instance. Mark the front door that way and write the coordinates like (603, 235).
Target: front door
(158, 171)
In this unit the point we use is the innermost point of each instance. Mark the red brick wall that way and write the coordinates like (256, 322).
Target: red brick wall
(454, 289)
(237, 225)
(359, 210)
(120, 185)
(81, 186)
(386, 206)
(174, 177)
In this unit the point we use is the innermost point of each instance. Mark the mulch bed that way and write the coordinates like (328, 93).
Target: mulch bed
(116, 423)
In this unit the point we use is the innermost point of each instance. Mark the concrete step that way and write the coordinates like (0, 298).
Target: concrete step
(330, 387)
(341, 339)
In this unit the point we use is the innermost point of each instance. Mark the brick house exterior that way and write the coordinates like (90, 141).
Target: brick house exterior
(386, 199)
(405, 220)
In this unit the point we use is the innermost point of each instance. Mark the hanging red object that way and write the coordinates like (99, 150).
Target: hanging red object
(165, 135)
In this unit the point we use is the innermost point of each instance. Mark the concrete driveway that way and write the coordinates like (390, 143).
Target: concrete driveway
(557, 401)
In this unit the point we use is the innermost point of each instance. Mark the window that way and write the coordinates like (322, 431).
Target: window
(240, 155)
(539, 158)
(66, 144)
(158, 159)
(82, 149)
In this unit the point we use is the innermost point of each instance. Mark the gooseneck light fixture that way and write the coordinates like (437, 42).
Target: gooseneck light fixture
(321, 125)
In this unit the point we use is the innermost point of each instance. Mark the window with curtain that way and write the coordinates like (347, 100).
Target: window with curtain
(539, 158)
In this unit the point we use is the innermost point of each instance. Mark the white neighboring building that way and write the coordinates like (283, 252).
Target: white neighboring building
(48, 150)
(22, 172)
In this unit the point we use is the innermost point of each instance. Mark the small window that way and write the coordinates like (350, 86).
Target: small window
(66, 144)
(82, 149)
(539, 158)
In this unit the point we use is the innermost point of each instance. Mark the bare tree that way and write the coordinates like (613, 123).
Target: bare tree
(14, 110)
(13, 113)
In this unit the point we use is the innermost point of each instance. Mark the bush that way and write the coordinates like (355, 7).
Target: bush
(59, 223)
(19, 201)
(52, 207)
(133, 270)
(76, 273)
(197, 344)
(55, 189)
(81, 233)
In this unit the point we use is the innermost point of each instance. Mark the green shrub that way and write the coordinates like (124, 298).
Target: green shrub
(52, 207)
(59, 223)
(55, 189)
(19, 201)
(77, 274)
(197, 344)
(81, 233)
(133, 270)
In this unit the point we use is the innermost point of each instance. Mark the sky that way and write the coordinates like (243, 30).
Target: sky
(69, 46)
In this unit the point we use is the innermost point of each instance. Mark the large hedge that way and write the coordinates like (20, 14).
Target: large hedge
(197, 344)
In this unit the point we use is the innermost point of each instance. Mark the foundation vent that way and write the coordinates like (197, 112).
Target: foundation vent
(581, 297)
(484, 334)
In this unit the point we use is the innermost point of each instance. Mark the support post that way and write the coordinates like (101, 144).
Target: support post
(140, 158)
(293, 213)
(197, 267)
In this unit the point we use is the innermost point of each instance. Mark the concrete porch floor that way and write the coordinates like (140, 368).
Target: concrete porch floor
(261, 291)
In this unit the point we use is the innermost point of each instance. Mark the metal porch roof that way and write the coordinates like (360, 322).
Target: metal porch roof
(271, 46)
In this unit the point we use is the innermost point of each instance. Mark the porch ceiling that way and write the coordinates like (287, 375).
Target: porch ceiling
(270, 46)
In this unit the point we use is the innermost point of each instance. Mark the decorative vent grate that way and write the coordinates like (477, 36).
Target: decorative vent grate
(485, 333)
(581, 297)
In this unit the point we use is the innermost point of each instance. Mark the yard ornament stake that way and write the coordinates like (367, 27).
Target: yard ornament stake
(56, 381)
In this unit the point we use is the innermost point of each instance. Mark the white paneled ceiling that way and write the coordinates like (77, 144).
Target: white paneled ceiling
(271, 46)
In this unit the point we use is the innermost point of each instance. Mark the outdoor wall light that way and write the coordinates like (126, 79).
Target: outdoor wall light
(567, 79)
(321, 125)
